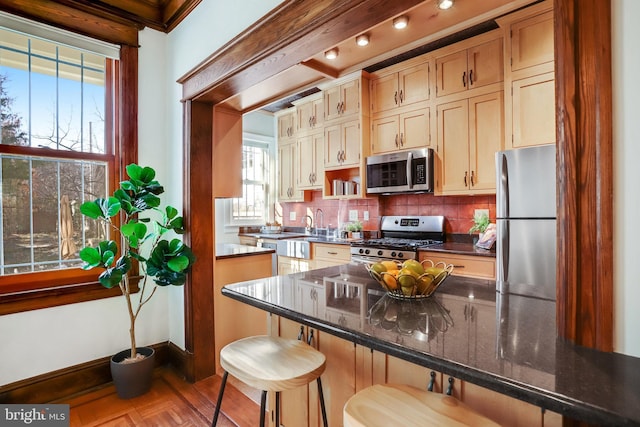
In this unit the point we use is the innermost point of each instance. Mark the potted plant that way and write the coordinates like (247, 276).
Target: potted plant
(142, 242)
(355, 228)
(480, 223)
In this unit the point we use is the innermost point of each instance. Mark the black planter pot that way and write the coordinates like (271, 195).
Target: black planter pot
(132, 379)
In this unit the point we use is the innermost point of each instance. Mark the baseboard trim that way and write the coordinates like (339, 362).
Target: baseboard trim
(58, 385)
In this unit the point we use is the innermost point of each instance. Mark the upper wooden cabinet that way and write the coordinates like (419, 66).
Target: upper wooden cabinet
(402, 131)
(470, 132)
(342, 144)
(529, 77)
(400, 88)
(478, 65)
(287, 124)
(342, 100)
(310, 152)
(309, 114)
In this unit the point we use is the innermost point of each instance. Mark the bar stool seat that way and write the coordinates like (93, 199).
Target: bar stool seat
(387, 405)
(271, 364)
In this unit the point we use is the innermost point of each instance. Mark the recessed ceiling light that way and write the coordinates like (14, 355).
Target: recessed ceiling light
(331, 53)
(362, 40)
(400, 22)
(445, 4)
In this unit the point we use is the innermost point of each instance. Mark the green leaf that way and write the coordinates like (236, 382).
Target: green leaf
(134, 171)
(171, 212)
(110, 206)
(147, 174)
(178, 264)
(107, 258)
(91, 209)
(91, 257)
(110, 277)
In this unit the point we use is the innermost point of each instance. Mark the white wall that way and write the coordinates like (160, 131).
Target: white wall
(626, 137)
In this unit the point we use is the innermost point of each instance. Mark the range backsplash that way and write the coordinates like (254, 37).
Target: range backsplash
(457, 210)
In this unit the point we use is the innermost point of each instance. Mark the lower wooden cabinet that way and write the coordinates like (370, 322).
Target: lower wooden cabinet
(288, 265)
(328, 255)
(482, 267)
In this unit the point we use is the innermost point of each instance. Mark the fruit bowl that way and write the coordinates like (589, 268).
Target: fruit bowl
(411, 279)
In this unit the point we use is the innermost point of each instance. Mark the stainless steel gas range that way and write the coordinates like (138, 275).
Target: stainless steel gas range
(401, 237)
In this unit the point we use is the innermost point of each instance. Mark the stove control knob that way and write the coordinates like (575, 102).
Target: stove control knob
(380, 253)
(367, 251)
(393, 254)
(400, 255)
(360, 251)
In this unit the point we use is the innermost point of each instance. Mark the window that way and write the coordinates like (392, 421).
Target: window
(253, 206)
(58, 149)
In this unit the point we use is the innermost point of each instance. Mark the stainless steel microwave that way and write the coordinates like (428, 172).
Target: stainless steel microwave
(401, 172)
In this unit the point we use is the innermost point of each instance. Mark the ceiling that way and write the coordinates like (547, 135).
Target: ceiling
(429, 28)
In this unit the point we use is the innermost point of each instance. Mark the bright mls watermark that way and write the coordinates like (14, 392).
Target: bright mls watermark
(34, 415)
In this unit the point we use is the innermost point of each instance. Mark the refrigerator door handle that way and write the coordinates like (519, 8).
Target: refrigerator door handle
(503, 254)
(503, 204)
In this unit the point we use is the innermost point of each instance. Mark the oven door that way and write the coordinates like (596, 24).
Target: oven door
(364, 259)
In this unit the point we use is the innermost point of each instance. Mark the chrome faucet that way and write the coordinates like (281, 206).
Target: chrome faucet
(308, 225)
(319, 219)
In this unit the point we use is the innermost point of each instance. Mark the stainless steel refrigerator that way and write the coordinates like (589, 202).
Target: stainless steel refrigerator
(526, 221)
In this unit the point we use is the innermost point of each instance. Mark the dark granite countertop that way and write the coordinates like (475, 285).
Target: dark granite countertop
(506, 343)
(461, 248)
(231, 250)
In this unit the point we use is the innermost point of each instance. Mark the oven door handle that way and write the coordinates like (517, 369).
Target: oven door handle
(410, 170)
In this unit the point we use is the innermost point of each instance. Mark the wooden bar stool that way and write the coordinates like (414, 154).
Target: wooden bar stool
(271, 364)
(400, 405)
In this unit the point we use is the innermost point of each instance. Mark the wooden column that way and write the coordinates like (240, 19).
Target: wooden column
(585, 172)
(199, 217)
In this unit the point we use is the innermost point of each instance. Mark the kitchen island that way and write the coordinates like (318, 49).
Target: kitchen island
(467, 331)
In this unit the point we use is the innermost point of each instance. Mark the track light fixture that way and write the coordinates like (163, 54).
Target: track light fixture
(445, 4)
(331, 53)
(400, 22)
(362, 40)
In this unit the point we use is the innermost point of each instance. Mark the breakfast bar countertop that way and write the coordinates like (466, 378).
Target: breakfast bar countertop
(512, 348)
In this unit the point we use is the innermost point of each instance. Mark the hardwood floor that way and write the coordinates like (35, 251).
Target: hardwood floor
(171, 402)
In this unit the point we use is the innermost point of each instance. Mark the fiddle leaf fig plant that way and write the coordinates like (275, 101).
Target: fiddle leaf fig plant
(166, 262)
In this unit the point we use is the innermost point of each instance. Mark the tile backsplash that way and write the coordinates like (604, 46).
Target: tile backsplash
(457, 210)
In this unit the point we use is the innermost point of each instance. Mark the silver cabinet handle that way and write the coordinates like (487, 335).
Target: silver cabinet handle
(472, 180)
(396, 140)
(401, 140)
(464, 79)
(470, 77)
(465, 178)
(401, 96)
(395, 97)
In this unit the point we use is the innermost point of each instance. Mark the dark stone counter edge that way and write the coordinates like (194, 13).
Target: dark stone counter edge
(543, 398)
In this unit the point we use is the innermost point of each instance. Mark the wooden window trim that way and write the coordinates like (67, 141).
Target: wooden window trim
(55, 288)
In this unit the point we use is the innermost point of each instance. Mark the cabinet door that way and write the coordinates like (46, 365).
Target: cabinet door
(338, 379)
(350, 136)
(451, 73)
(465, 265)
(486, 137)
(309, 115)
(485, 64)
(306, 162)
(533, 111)
(286, 124)
(414, 128)
(414, 84)
(286, 159)
(384, 135)
(384, 93)
(453, 145)
(332, 145)
(331, 104)
(294, 403)
(350, 93)
(532, 41)
(310, 161)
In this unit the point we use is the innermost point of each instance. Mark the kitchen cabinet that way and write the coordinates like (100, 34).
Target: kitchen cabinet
(407, 130)
(234, 320)
(341, 100)
(287, 168)
(227, 152)
(309, 114)
(482, 267)
(310, 161)
(342, 144)
(478, 65)
(300, 407)
(288, 265)
(391, 89)
(470, 132)
(286, 123)
(328, 255)
(529, 76)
